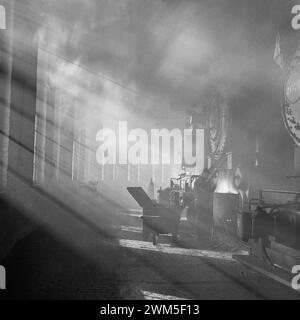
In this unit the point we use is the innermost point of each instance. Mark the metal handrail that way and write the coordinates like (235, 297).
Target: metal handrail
(279, 191)
(276, 191)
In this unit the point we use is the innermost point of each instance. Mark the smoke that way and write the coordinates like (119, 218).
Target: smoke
(139, 58)
(169, 50)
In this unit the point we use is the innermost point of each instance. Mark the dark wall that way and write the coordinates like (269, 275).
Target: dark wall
(21, 122)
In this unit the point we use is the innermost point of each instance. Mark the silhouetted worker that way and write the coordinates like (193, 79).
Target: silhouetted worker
(203, 203)
(151, 189)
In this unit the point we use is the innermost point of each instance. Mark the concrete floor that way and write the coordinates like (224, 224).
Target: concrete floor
(42, 267)
(191, 269)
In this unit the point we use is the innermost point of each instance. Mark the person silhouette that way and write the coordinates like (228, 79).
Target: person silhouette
(203, 190)
(151, 189)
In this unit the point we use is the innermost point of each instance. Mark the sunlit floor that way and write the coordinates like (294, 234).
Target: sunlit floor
(42, 267)
(189, 269)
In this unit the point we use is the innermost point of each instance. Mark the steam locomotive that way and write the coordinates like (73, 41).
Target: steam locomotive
(267, 220)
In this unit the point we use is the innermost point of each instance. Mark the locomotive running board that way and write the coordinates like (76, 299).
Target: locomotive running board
(269, 271)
